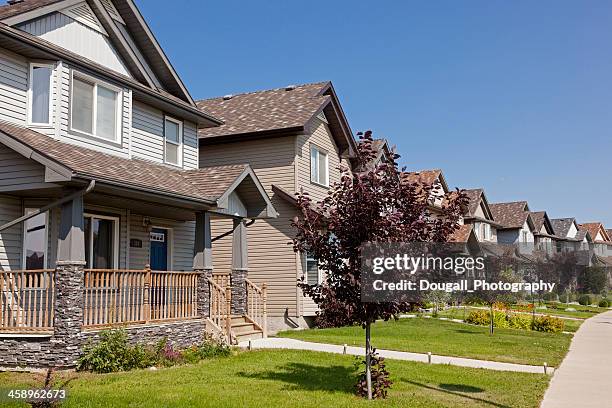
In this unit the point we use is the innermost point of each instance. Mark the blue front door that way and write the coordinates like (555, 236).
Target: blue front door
(159, 249)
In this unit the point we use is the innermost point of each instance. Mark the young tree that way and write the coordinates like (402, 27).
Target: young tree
(371, 204)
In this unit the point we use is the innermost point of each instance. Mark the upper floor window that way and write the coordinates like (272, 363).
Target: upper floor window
(35, 241)
(525, 236)
(39, 94)
(319, 173)
(173, 137)
(95, 108)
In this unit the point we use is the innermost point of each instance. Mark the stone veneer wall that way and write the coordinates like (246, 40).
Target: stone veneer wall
(239, 292)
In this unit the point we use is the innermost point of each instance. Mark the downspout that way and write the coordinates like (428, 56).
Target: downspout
(225, 234)
(46, 208)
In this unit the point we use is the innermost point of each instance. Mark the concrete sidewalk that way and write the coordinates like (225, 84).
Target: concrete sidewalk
(584, 377)
(284, 343)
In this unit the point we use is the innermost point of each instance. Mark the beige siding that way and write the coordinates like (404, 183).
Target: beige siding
(10, 239)
(271, 257)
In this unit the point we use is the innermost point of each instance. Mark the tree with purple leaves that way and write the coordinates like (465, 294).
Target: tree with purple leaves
(372, 203)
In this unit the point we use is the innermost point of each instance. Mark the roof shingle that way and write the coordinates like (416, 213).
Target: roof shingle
(510, 215)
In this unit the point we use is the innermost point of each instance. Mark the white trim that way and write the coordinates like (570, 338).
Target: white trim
(116, 236)
(30, 100)
(118, 107)
(170, 254)
(179, 144)
(23, 238)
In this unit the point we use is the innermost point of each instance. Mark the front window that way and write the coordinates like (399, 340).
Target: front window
(35, 241)
(313, 275)
(101, 242)
(39, 93)
(318, 166)
(524, 236)
(173, 135)
(95, 108)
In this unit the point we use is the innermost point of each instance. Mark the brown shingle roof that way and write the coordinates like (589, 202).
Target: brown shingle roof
(270, 110)
(206, 184)
(426, 177)
(510, 215)
(10, 10)
(593, 229)
(562, 226)
(462, 234)
(473, 196)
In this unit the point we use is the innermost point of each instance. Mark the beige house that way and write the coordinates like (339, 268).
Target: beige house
(295, 138)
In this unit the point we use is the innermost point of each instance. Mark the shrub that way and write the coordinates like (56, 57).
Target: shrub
(478, 317)
(565, 298)
(585, 300)
(113, 353)
(548, 324)
(380, 378)
(550, 297)
(520, 321)
(604, 303)
(500, 319)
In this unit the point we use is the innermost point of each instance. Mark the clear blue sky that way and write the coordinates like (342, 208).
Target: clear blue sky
(514, 97)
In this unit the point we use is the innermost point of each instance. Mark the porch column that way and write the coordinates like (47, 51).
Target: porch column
(202, 262)
(69, 275)
(239, 267)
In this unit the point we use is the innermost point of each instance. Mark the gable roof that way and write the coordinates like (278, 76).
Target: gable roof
(425, 177)
(593, 228)
(540, 218)
(511, 215)
(461, 234)
(277, 111)
(561, 226)
(135, 27)
(208, 185)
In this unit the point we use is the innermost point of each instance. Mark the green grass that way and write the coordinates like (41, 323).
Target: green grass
(282, 378)
(450, 339)
(582, 312)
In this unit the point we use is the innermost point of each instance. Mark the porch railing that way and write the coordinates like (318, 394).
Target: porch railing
(256, 307)
(138, 296)
(223, 279)
(221, 307)
(27, 300)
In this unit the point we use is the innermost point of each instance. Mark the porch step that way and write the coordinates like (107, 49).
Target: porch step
(243, 329)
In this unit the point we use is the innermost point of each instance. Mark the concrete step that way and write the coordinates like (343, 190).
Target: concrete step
(249, 335)
(243, 327)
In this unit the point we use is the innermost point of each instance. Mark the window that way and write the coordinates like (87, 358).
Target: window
(524, 236)
(39, 94)
(101, 241)
(95, 108)
(313, 275)
(318, 166)
(35, 241)
(485, 231)
(173, 135)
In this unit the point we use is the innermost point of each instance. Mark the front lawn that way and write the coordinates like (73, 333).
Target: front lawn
(449, 339)
(282, 378)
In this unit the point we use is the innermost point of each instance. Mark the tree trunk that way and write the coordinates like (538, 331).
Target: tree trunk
(368, 361)
(491, 328)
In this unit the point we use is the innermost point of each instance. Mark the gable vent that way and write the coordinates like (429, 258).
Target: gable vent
(227, 97)
(84, 15)
(110, 8)
(290, 87)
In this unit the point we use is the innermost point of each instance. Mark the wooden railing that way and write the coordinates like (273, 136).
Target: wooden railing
(221, 307)
(257, 306)
(223, 279)
(27, 300)
(138, 296)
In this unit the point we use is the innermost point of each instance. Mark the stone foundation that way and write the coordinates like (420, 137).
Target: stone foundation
(239, 293)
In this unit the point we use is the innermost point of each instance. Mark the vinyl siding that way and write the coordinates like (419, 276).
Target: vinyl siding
(68, 33)
(18, 173)
(10, 239)
(271, 257)
(13, 87)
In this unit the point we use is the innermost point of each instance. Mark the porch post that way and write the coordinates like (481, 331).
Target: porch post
(202, 262)
(239, 267)
(69, 275)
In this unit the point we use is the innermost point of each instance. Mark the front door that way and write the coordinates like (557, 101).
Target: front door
(159, 249)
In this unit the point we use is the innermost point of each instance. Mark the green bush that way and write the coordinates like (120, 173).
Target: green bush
(520, 321)
(113, 353)
(585, 300)
(478, 317)
(604, 303)
(548, 324)
(500, 319)
(550, 297)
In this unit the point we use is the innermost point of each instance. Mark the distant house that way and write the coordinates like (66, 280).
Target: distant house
(516, 224)
(479, 215)
(568, 235)
(602, 243)
(433, 179)
(543, 232)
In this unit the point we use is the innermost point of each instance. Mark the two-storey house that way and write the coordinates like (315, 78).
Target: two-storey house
(516, 224)
(104, 211)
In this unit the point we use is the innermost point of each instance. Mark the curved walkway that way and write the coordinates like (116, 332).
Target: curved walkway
(284, 343)
(583, 378)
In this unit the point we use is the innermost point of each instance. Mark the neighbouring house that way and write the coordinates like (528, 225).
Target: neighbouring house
(543, 232)
(433, 179)
(104, 212)
(296, 138)
(516, 224)
(479, 215)
(601, 241)
(568, 235)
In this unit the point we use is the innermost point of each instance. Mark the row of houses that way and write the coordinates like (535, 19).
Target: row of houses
(514, 223)
(125, 201)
